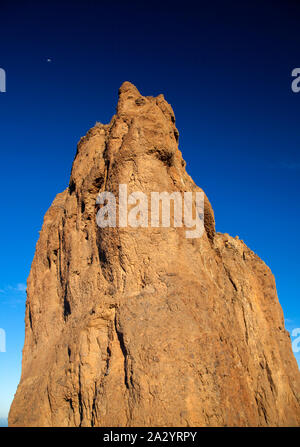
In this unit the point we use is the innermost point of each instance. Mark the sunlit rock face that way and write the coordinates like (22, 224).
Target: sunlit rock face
(144, 326)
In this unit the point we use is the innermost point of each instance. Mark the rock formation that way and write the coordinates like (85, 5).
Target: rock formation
(143, 326)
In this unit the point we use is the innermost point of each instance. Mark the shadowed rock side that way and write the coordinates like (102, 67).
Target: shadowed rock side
(144, 327)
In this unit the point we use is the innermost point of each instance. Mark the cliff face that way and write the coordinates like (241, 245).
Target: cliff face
(144, 326)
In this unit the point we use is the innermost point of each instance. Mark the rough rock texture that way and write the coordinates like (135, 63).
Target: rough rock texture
(134, 327)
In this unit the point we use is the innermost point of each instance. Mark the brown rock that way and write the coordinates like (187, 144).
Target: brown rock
(142, 326)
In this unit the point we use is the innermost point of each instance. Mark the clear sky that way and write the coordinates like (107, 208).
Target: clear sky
(226, 70)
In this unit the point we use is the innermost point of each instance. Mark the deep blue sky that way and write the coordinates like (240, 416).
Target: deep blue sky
(226, 70)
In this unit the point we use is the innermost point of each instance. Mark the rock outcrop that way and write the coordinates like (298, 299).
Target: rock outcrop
(143, 326)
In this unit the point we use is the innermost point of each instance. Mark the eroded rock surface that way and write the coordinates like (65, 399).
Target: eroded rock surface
(142, 326)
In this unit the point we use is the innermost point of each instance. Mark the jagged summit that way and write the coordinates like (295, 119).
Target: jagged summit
(128, 87)
(142, 326)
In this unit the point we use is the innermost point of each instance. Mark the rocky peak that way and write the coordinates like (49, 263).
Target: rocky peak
(144, 326)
